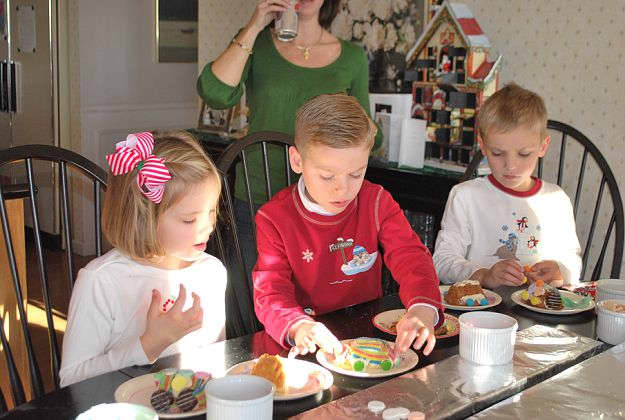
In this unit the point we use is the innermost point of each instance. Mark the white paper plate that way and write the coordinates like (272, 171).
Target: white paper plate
(408, 361)
(516, 298)
(386, 321)
(493, 300)
(139, 390)
(303, 378)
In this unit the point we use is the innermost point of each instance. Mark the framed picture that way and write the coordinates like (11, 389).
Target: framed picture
(214, 120)
(176, 31)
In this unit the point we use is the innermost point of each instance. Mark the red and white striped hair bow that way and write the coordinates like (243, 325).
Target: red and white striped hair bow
(135, 152)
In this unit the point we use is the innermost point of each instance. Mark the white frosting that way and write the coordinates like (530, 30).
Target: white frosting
(468, 283)
(476, 298)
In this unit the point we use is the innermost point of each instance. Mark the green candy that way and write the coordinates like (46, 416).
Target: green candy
(359, 365)
(386, 365)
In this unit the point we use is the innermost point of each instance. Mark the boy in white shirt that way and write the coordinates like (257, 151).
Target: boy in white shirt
(510, 224)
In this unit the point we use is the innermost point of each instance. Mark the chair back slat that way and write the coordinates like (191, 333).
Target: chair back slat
(17, 388)
(599, 265)
(97, 200)
(243, 320)
(580, 182)
(63, 158)
(562, 157)
(288, 165)
(593, 225)
(267, 171)
(67, 224)
(35, 373)
(3, 403)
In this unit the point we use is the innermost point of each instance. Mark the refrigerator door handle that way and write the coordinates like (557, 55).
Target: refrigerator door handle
(4, 87)
(16, 87)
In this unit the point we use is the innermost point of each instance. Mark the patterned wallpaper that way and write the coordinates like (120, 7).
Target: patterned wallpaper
(569, 51)
(218, 23)
(572, 53)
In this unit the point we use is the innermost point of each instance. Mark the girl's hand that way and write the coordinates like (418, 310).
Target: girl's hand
(417, 323)
(265, 12)
(503, 273)
(165, 328)
(307, 335)
(547, 271)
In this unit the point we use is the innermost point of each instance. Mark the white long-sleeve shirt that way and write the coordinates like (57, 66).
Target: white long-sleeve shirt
(109, 306)
(485, 222)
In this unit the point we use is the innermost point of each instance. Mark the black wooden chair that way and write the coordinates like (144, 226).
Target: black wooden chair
(61, 161)
(227, 245)
(569, 150)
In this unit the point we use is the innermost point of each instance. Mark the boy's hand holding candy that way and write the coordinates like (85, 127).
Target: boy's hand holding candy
(502, 273)
(165, 328)
(307, 335)
(547, 271)
(418, 322)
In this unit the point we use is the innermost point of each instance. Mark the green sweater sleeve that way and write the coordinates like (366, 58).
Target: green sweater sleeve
(360, 90)
(217, 94)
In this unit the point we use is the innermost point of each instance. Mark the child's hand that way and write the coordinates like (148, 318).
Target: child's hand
(307, 335)
(503, 273)
(417, 323)
(547, 271)
(165, 328)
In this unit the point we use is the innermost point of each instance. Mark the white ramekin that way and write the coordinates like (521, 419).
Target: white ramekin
(610, 289)
(487, 338)
(237, 397)
(610, 324)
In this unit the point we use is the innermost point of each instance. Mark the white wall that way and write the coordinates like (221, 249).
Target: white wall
(122, 88)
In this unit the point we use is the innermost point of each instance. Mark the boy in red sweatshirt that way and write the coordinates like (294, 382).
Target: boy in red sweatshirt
(318, 239)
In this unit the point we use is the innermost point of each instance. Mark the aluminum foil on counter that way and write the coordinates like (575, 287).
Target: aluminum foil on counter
(593, 389)
(455, 388)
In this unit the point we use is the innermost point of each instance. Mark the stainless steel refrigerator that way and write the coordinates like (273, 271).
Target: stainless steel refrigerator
(29, 92)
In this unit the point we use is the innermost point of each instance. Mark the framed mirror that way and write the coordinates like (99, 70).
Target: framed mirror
(176, 31)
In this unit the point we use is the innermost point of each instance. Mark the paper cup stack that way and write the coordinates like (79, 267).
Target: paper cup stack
(487, 338)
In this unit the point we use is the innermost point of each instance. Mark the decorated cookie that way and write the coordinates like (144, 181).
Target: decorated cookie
(373, 353)
(186, 401)
(161, 400)
(179, 390)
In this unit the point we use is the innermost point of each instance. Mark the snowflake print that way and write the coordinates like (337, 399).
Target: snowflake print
(307, 255)
(504, 228)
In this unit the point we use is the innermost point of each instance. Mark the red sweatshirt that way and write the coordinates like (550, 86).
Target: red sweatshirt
(309, 264)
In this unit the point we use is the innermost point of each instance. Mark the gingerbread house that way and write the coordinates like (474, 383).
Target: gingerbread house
(452, 74)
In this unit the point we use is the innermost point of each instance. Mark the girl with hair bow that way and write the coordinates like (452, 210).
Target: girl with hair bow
(156, 292)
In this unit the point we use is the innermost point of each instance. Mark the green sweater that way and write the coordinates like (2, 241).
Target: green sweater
(276, 88)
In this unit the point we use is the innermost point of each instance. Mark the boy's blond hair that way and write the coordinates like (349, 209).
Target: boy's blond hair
(512, 107)
(337, 121)
(129, 218)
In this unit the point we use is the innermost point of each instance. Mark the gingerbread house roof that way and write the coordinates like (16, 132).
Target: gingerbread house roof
(469, 29)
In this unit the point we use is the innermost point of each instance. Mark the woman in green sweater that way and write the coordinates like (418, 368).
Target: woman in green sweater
(278, 78)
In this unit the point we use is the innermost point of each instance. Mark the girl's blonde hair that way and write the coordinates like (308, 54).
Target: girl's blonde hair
(129, 218)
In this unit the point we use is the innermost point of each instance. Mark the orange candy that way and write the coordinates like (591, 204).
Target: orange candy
(539, 283)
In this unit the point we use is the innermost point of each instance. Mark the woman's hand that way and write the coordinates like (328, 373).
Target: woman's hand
(417, 323)
(307, 335)
(265, 12)
(165, 328)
